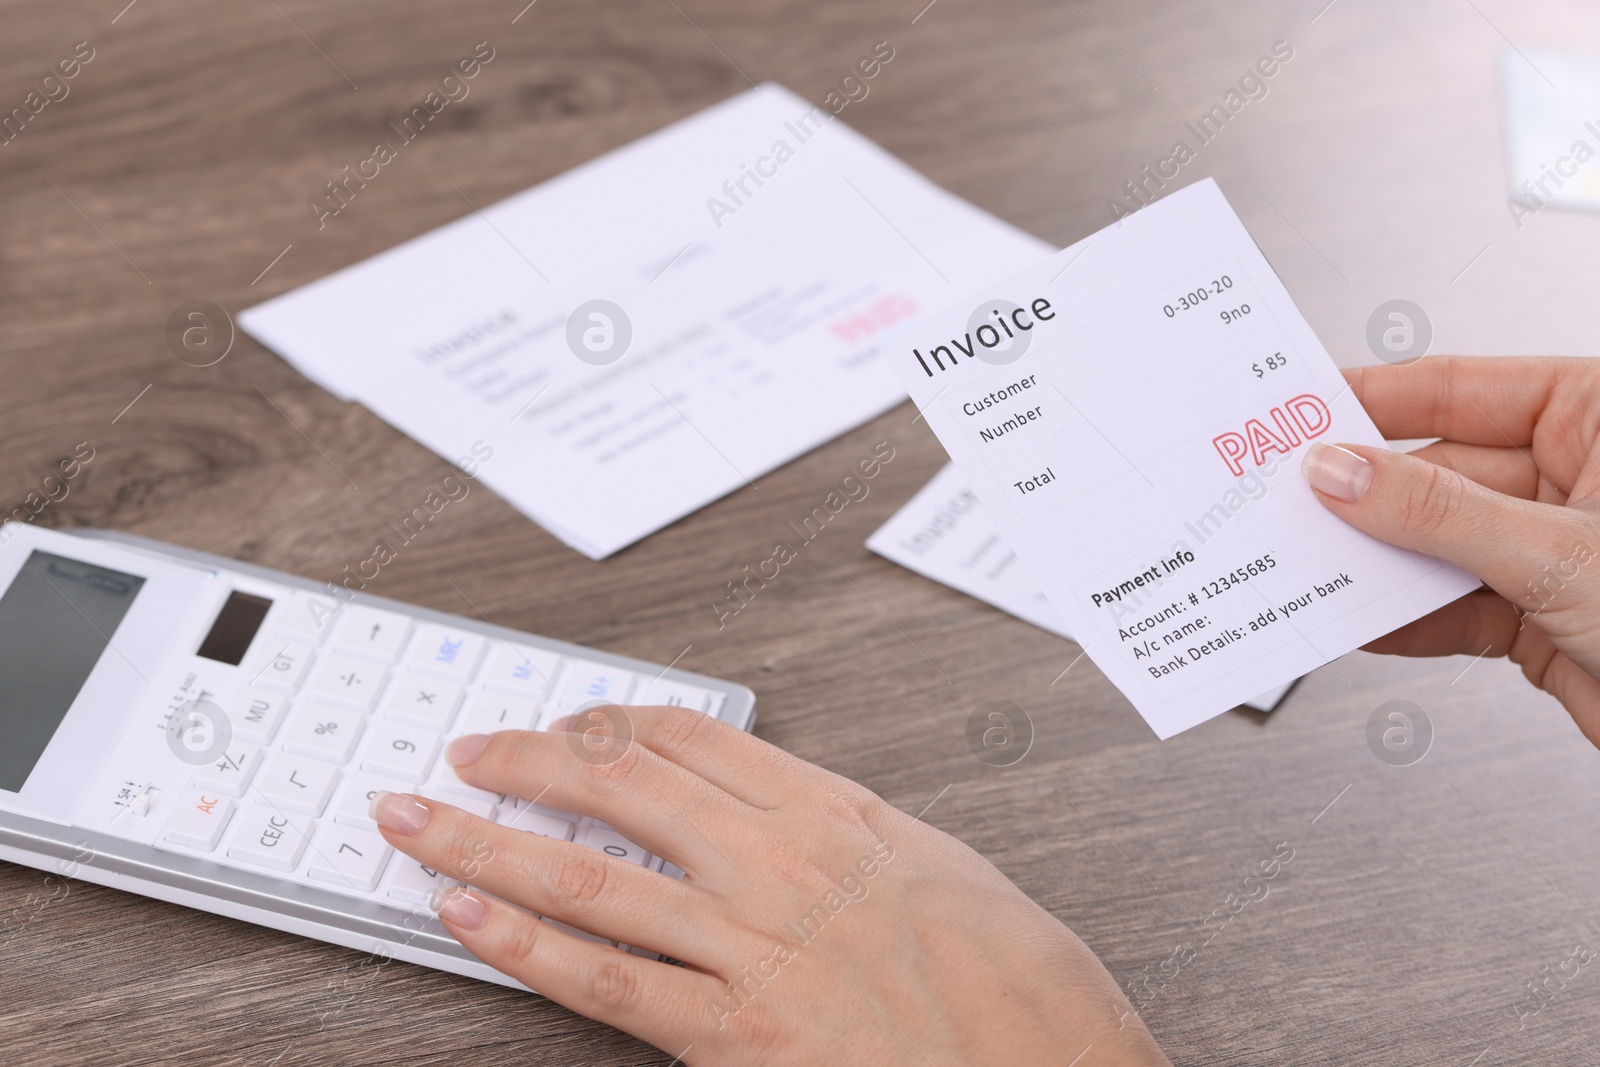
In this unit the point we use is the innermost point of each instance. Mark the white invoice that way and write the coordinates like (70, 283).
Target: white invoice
(752, 257)
(1132, 413)
(943, 533)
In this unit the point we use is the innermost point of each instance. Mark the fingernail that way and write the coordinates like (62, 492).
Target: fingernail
(463, 750)
(398, 812)
(460, 908)
(1339, 472)
(563, 725)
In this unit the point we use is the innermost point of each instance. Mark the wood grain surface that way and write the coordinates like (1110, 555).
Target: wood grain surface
(1420, 901)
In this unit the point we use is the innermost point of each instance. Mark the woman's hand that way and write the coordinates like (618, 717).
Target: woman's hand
(817, 923)
(1509, 493)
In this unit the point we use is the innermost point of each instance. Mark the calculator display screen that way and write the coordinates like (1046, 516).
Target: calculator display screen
(56, 619)
(236, 626)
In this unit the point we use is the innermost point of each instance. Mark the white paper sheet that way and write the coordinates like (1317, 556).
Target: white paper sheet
(1138, 444)
(1553, 130)
(943, 534)
(759, 252)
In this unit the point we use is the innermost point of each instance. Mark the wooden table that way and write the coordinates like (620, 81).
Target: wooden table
(1420, 900)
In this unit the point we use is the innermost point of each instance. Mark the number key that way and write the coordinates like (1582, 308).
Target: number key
(414, 883)
(356, 804)
(348, 858)
(403, 751)
(613, 844)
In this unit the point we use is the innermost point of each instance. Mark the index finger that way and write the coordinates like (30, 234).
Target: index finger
(1485, 400)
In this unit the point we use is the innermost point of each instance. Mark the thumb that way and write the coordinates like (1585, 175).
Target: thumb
(1521, 549)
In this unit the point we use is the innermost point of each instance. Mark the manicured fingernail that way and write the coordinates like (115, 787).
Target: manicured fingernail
(1339, 472)
(398, 812)
(564, 724)
(460, 908)
(463, 750)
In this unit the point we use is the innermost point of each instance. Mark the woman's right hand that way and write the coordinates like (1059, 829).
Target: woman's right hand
(1508, 493)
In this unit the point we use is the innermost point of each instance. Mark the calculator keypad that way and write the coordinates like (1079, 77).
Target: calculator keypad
(330, 715)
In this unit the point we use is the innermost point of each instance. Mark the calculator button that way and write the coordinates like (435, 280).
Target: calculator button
(491, 712)
(296, 783)
(520, 803)
(451, 653)
(445, 778)
(199, 819)
(348, 680)
(400, 750)
(669, 692)
(586, 681)
(613, 844)
(414, 883)
(422, 701)
(230, 773)
(355, 804)
(536, 823)
(283, 665)
(268, 838)
(306, 615)
(370, 632)
(324, 731)
(257, 715)
(520, 670)
(350, 858)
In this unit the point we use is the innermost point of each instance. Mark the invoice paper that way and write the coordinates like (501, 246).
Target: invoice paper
(942, 533)
(1132, 412)
(1553, 130)
(658, 327)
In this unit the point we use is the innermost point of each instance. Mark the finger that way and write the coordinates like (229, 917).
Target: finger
(1505, 470)
(1576, 688)
(1482, 623)
(650, 800)
(1481, 401)
(762, 775)
(656, 1002)
(1510, 544)
(574, 883)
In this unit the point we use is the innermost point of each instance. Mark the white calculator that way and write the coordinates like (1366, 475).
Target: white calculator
(210, 733)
